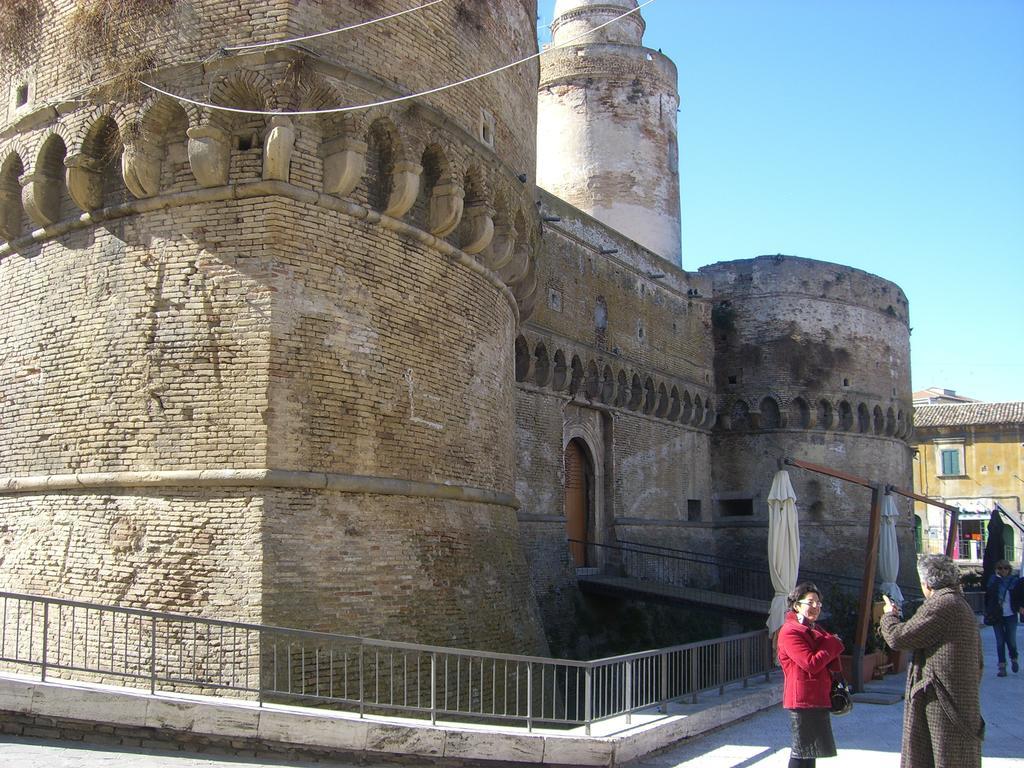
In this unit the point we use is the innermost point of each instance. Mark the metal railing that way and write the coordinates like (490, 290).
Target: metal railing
(174, 652)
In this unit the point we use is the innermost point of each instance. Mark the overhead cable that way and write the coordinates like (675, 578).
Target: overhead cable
(331, 32)
(397, 99)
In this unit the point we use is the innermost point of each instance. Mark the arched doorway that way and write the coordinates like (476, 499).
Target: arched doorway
(579, 492)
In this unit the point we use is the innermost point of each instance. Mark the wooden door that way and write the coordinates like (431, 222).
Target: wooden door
(577, 501)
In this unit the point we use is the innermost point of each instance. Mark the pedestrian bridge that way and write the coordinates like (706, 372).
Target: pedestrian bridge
(645, 571)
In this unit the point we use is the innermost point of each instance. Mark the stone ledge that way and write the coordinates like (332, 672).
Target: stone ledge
(258, 478)
(242, 725)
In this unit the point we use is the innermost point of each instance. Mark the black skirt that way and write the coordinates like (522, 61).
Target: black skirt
(812, 733)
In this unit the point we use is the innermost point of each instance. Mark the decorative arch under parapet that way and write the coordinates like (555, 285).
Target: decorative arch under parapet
(890, 422)
(661, 408)
(738, 416)
(576, 375)
(592, 381)
(441, 197)
(650, 396)
(94, 176)
(560, 375)
(686, 408)
(13, 219)
(541, 365)
(825, 414)
(159, 123)
(522, 359)
(799, 414)
(44, 192)
(673, 405)
(770, 414)
(845, 412)
(878, 420)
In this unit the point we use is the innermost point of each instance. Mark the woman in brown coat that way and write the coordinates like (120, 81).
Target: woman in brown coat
(942, 724)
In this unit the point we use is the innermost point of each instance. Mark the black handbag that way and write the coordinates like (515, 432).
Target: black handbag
(841, 697)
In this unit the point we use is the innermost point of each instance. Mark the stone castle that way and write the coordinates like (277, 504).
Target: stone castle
(368, 371)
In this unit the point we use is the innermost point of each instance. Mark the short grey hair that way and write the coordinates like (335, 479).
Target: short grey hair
(938, 571)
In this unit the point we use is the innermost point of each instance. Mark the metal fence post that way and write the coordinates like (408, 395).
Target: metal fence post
(694, 673)
(745, 657)
(152, 655)
(433, 688)
(529, 696)
(46, 632)
(721, 669)
(664, 682)
(362, 695)
(627, 693)
(588, 709)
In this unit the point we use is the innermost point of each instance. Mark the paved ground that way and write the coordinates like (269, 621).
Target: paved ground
(869, 736)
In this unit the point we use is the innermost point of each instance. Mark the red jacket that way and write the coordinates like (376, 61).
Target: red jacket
(808, 656)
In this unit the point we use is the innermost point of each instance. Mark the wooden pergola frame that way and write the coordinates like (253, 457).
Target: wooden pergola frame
(878, 490)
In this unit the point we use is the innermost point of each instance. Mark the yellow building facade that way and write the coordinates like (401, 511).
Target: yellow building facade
(970, 455)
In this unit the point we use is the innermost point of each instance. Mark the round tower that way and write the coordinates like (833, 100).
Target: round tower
(260, 366)
(607, 123)
(812, 362)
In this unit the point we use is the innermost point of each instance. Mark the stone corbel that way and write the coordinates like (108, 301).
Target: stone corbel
(500, 252)
(477, 228)
(515, 268)
(527, 284)
(446, 206)
(84, 178)
(140, 168)
(40, 194)
(405, 186)
(277, 150)
(209, 155)
(10, 214)
(344, 165)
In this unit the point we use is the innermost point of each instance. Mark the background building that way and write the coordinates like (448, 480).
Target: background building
(970, 455)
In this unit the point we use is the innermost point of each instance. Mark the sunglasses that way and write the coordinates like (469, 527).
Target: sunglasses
(810, 603)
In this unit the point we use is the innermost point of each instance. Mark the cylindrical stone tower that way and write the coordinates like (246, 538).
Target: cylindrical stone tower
(812, 361)
(269, 375)
(607, 123)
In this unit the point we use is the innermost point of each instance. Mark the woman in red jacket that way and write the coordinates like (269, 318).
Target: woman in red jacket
(808, 655)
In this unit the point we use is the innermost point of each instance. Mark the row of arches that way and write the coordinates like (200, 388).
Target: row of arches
(568, 373)
(799, 413)
(388, 159)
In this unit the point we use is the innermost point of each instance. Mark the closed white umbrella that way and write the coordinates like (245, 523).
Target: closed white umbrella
(888, 550)
(783, 546)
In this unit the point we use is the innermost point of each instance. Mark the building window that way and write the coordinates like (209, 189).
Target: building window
(21, 95)
(950, 458)
(736, 507)
(693, 510)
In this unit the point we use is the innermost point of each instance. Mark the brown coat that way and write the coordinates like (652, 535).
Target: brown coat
(942, 724)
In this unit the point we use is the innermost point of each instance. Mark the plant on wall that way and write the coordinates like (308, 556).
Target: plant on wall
(116, 37)
(21, 22)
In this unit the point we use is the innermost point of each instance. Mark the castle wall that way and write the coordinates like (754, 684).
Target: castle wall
(617, 354)
(812, 361)
(309, 318)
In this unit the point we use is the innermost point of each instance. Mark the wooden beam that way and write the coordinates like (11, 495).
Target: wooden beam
(823, 470)
(867, 587)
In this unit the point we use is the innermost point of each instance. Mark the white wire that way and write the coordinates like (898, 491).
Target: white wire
(407, 97)
(331, 32)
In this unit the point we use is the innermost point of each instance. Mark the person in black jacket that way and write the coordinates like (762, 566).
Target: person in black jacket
(1002, 605)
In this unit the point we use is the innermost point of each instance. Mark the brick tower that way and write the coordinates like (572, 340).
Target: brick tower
(607, 122)
(257, 366)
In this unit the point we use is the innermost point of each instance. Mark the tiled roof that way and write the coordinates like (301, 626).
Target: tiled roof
(964, 414)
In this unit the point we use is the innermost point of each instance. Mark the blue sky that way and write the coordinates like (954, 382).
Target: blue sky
(887, 135)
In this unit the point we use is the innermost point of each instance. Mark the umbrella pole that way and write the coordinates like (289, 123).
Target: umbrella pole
(867, 588)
